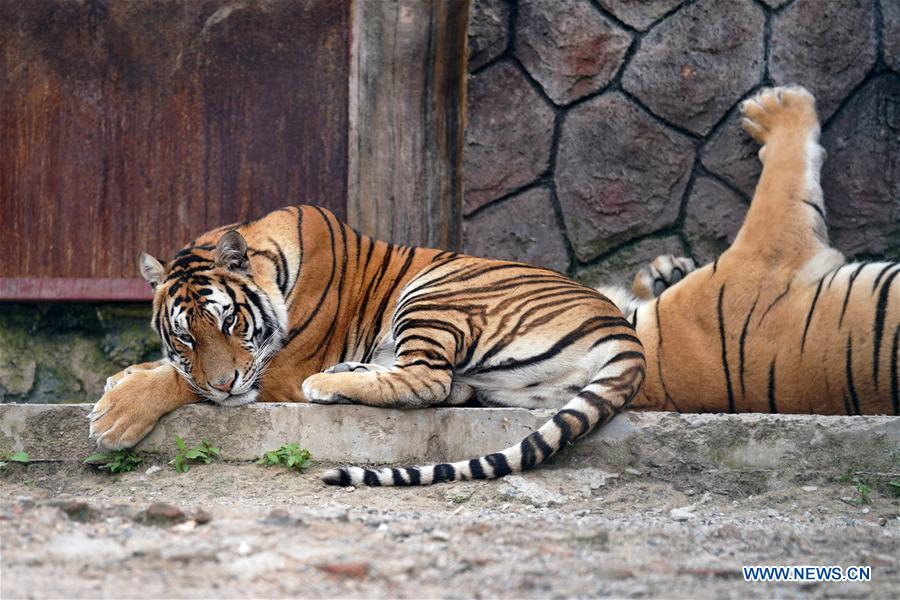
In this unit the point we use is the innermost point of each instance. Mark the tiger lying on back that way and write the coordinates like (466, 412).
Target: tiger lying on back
(780, 322)
(255, 312)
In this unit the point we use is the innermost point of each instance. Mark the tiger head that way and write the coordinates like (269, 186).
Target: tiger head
(217, 324)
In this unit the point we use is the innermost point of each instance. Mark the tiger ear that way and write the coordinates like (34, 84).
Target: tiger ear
(231, 252)
(152, 270)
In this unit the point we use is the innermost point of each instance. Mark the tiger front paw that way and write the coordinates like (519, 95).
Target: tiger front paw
(354, 367)
(774, 111)
(325, 388)
(114, 380)
(126, 413)
(662, 273)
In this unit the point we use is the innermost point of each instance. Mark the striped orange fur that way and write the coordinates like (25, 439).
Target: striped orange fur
(298, 306)
(780, 322)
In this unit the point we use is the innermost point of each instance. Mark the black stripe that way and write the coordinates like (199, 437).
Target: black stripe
(442, 366)
(295, 331)
(773, 405)
(848, 366)
(397, 475)
(809, 315)
(362, 314)
(476, 469)
(584, 329)
(589, 326)
(498, 463)
(529, 456)
(880, 311)
(299, 251)
(582, 420)
(659, 352)
(340, 290)
(543, 446)
(616, 336)
(623, 356)
(344, 477)
(725, 368)
(815, 207)
(776, 301)
(895, 384)
(370, 477)
(565, 435)
(881, 274)
(743, 339)
(853, 277)
(847, 408)
(443, 472)
(415, 476)
(282, 287)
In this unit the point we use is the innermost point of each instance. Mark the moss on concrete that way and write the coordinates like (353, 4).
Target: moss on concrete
(57, 352)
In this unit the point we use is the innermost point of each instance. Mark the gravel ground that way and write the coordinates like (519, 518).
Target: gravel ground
(239, 530)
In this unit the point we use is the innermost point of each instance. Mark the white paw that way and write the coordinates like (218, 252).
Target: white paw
(316, 390)
(114, 380)
(665, 271)
(354, 367)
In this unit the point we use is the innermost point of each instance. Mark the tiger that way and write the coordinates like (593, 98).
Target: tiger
(780, 322)
(298, 306)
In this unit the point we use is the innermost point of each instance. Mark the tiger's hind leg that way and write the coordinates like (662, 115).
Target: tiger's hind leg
(345, 390)
(785, 225)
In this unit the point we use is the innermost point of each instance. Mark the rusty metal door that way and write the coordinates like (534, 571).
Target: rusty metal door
(136, 125)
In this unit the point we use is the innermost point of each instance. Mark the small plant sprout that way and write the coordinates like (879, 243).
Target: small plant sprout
(291, 456)
(863, 489)
(117, 461)
(16, 457)
(205, 453)
(894, 486)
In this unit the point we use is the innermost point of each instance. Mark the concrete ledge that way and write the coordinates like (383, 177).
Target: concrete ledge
(666, 443)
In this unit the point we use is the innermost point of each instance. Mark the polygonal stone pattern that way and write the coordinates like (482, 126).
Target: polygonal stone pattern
(827, 47)
(568, 47)
(639, 14)
(713, 217)
(619, 173)
(861, 178)
(890, 36)
(695, 65)
(488, 31)
(623, 264)
(522, 228)
(621, 163)
(508, 135)
(733, 155)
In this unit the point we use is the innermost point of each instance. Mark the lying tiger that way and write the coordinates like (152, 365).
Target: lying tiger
(779, 322)
(257, 312)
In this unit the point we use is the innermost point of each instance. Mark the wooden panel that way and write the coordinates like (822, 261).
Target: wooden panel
(31, 289)
(407, 115)
(136, 125)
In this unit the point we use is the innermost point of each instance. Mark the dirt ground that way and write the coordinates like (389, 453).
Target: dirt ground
(249, 531)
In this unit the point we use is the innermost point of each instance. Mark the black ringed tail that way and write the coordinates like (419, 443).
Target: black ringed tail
(615, 384)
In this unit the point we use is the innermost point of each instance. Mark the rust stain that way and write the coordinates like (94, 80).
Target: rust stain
(131, 126)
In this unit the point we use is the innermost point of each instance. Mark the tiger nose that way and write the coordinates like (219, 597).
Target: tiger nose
(224, 383)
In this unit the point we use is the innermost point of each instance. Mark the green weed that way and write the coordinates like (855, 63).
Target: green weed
(116, 461)
(16, 457)
(205, 453)
(291, 456)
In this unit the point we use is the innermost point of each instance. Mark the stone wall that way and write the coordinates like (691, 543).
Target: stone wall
(65, 352)
(604, 132)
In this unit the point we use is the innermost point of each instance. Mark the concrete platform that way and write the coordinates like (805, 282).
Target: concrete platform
(665, 443)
